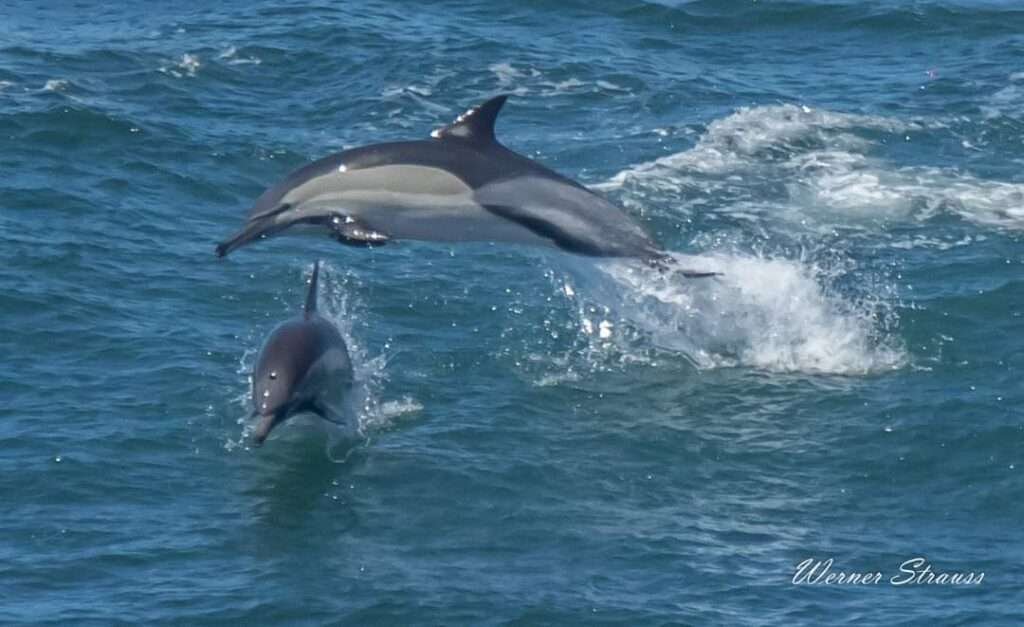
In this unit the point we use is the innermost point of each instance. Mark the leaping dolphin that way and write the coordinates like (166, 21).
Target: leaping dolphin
(303, 367)
(459, 185)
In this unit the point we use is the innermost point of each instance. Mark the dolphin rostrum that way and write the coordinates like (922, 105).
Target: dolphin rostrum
(459, 185)
(303, 367)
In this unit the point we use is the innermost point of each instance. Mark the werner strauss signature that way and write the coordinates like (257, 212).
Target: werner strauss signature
(912, 572)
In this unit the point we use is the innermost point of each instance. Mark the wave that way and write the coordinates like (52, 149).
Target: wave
(802, 166)
(877, 16)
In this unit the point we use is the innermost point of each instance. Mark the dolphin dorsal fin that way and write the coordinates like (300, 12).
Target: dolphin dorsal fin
(311, 294)
(476, 123)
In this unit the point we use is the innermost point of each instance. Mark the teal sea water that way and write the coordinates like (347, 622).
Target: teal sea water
(546, 439)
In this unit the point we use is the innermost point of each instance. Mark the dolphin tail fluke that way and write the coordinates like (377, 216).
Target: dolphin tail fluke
(666, 264)
(311, 294)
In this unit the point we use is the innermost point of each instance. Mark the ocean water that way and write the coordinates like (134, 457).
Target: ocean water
(546, 439)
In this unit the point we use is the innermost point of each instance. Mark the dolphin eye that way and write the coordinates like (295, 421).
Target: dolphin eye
(273, 374)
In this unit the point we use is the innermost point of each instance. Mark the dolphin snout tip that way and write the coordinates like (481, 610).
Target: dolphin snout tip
(259, 436)
(263, 428)
(222, 250)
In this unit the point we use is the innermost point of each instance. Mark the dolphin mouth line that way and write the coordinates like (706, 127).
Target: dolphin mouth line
(271, 212)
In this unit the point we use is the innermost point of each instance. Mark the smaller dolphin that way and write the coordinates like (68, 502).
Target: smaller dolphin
(303, 367)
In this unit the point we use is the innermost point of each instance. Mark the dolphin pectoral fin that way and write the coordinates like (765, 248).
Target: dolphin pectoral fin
(352, 232)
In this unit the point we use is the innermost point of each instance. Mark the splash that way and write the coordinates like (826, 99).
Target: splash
(242, 399)
(369, 370)
(772, 314)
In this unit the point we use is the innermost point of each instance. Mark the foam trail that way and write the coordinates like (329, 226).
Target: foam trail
(760, 136)
(789, 166)
(855, 185)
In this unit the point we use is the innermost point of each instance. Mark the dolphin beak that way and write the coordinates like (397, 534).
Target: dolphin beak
(266, 424)
(252, 230)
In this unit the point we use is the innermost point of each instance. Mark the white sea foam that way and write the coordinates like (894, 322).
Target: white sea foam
(822, 162)
(388, 412)
(59, 85)
(187, 65)
(773, 314)
(533, 81)
(1006, 102)
(761, 135)
(421, 93)
(854, 185)
(765, 312)
(511, 79)
(610, 86)
(231, 56)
